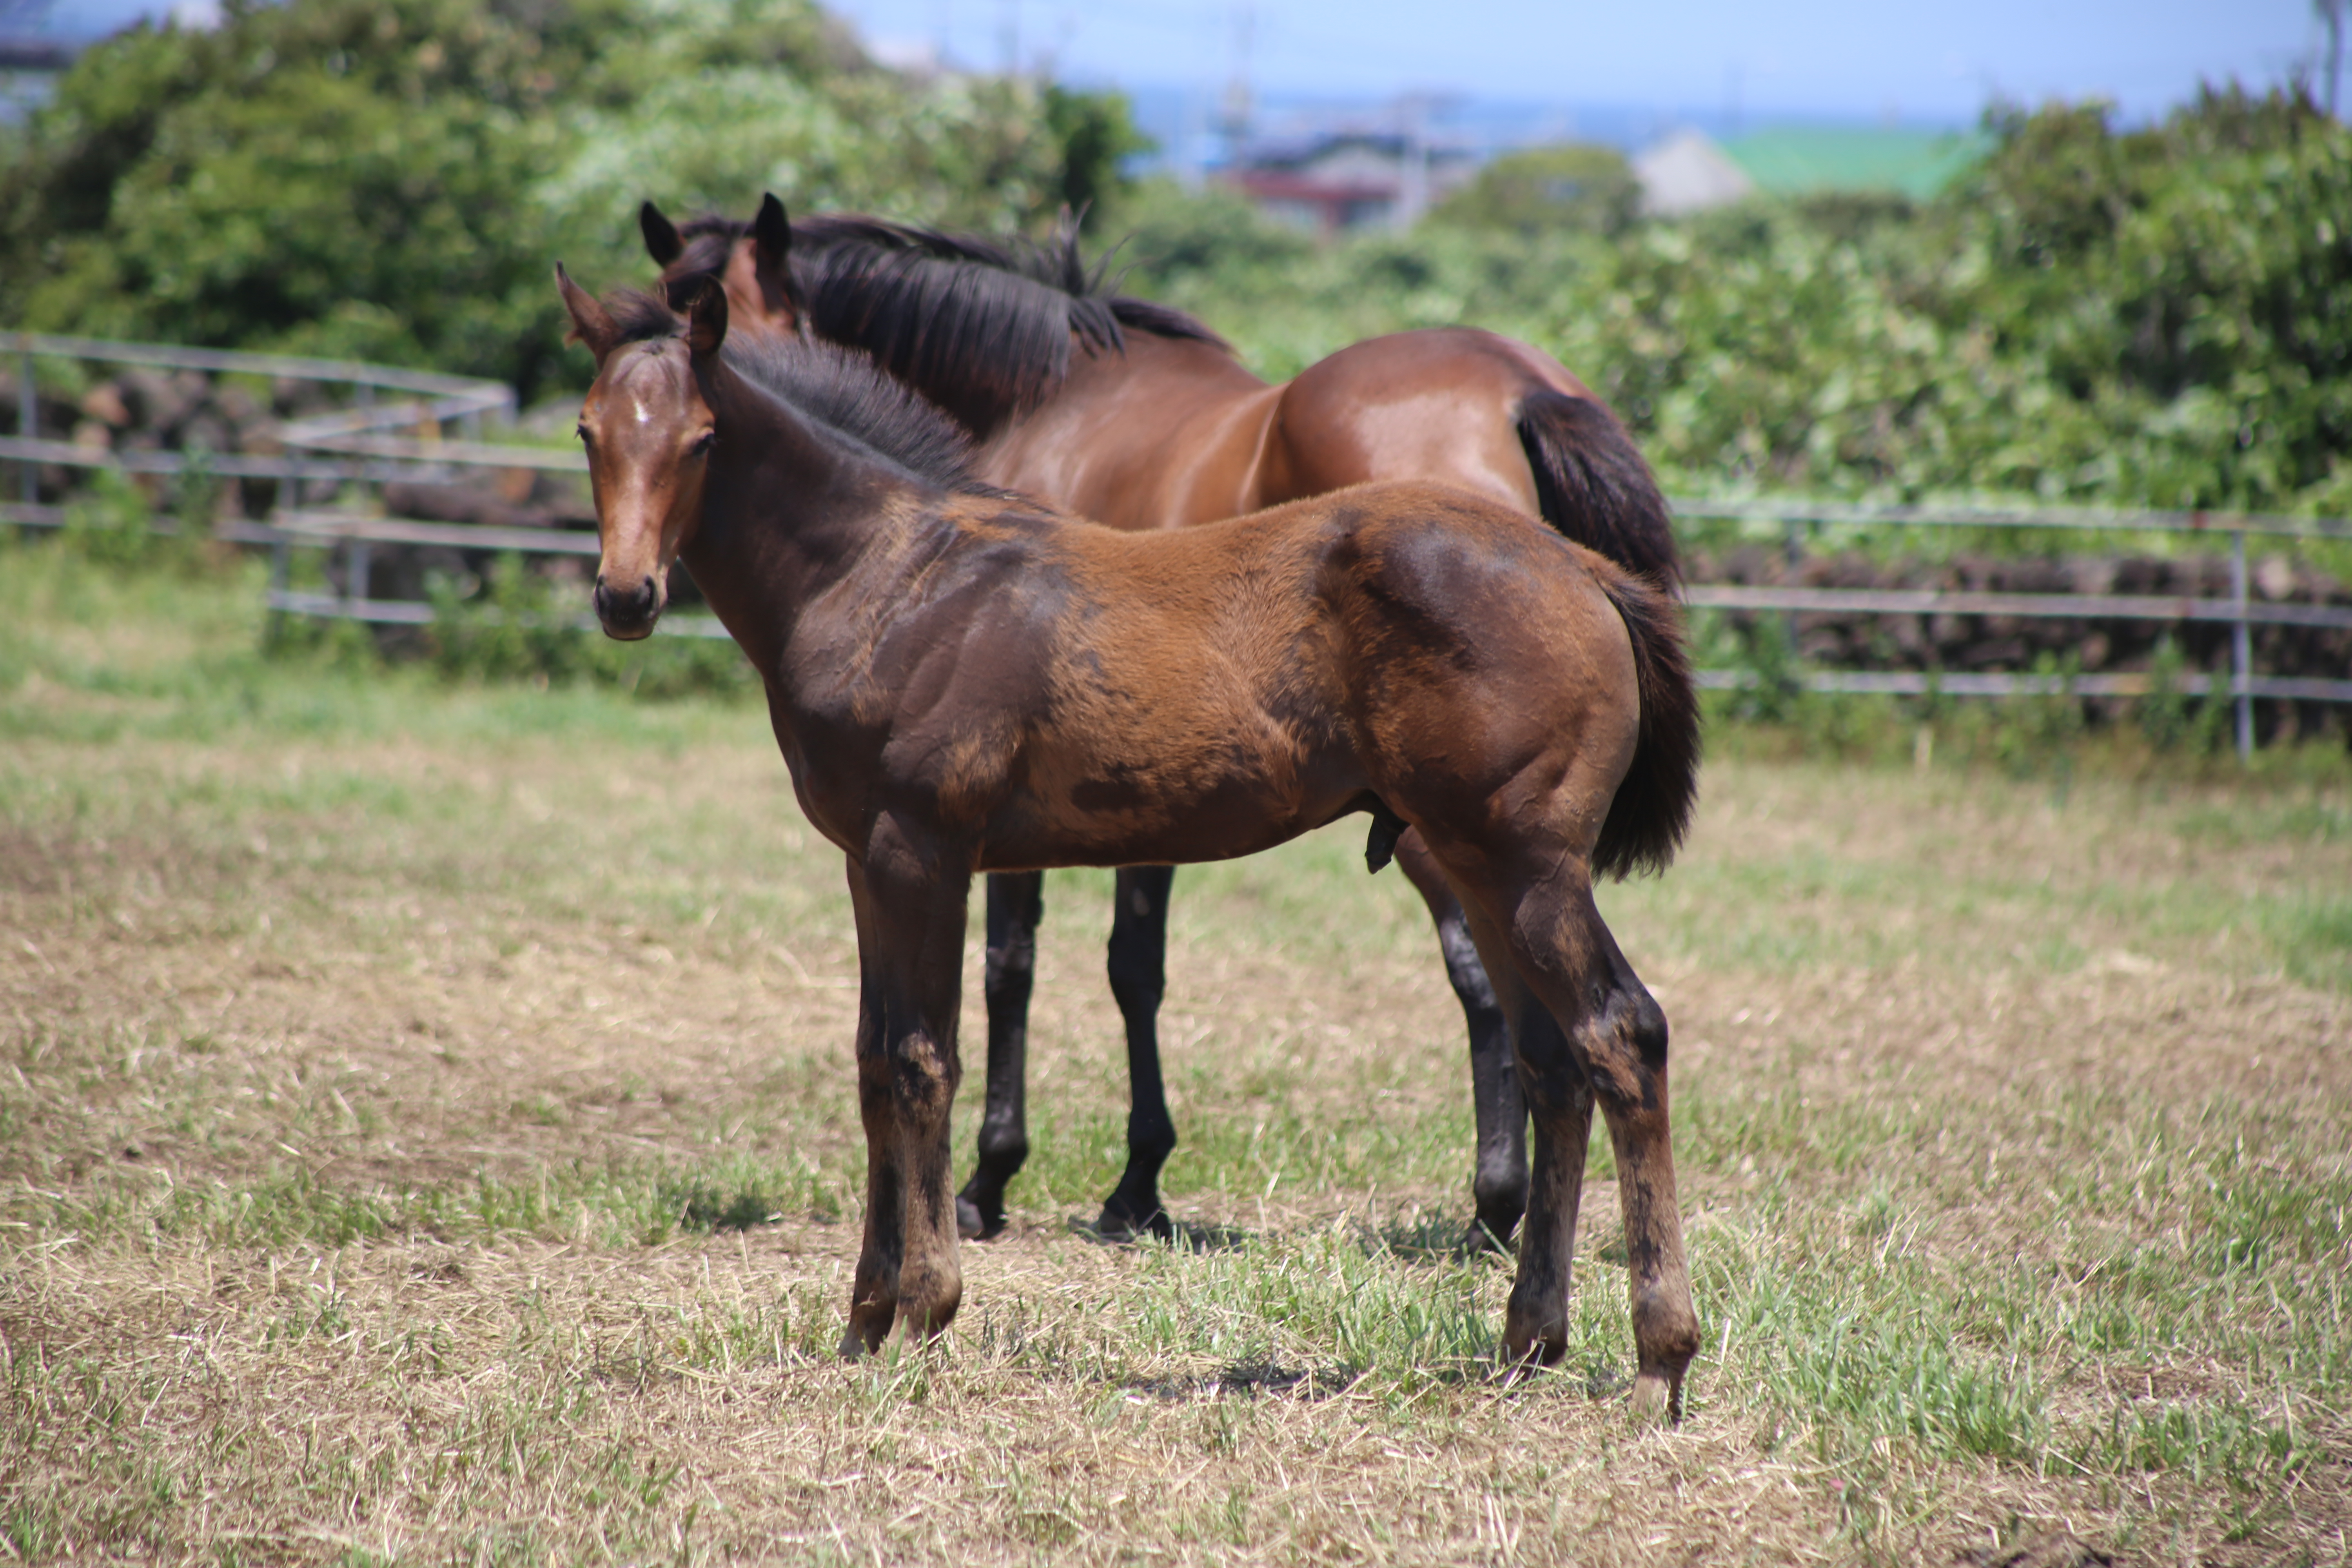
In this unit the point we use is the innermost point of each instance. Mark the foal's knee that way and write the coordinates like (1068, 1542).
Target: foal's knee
(1626, 1048)
(923, 1076)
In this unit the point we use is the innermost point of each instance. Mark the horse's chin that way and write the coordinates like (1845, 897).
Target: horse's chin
(630, 631)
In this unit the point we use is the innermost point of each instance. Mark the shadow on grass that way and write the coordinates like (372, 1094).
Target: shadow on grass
(1187, 1237)
(1254, 1378)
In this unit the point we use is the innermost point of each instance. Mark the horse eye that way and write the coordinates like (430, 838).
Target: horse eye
(703, 443)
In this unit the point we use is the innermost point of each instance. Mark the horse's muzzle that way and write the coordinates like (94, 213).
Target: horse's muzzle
(628, 613)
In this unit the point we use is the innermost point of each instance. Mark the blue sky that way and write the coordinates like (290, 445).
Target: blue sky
(1841, 58)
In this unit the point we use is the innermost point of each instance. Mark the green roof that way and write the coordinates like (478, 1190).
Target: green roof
(1799, 161)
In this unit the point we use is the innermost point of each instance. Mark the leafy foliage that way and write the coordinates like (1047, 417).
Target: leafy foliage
(391, 181)
(1572, 186)
(2160, 316)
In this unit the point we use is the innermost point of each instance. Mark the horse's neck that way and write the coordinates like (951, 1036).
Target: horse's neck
(1171, 432)
(792, 512)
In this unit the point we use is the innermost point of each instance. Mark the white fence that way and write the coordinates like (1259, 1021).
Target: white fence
(377, 440)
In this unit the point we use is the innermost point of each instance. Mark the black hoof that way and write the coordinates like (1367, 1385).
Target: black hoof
(976, 1223)
(1121, 1222)
(1482, 1237)
(1497, 1204)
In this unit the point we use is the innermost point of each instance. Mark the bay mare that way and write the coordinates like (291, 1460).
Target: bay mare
(961, 681)
(1137, 416)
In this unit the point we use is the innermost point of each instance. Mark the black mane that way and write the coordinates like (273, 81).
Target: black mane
(980, 327)
(845, 391)
(832, 385)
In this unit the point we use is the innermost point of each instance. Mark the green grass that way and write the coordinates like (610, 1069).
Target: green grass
(425, 1133)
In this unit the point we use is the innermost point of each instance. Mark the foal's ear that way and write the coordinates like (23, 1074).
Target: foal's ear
(706, 319)
(590, 322)
(662, 242)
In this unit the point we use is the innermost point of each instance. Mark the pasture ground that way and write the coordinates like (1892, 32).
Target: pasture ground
(426, 1134)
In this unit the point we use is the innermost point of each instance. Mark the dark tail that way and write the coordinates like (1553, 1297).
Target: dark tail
(1653, 808)
(1593, 485)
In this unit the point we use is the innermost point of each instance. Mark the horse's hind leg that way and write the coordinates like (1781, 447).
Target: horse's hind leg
(1138, 979)
(1613, 1037)
(1498, 1184)
(1016, 904)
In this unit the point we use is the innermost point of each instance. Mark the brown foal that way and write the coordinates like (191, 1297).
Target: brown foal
(963, 681)
(1137, 416)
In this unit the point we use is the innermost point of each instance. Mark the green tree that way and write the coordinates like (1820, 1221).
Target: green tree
(1575, 185)
(392, 179)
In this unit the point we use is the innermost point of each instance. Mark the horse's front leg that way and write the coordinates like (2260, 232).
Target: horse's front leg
(909, 893)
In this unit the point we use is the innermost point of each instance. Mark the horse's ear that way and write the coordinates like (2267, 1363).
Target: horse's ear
(771, 232)
(590, 322)
(662, 242)
(706, 319)
(771, 247)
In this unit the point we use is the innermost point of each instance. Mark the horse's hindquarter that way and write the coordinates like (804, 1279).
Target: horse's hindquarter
(1486, 668)
(1439, 405)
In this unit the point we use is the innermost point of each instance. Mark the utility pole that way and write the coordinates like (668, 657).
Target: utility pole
(2331, 16)
(1234, 114)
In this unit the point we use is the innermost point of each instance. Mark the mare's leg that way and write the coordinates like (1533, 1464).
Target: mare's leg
(1138, 977)
(1016, 904)
(1499, 1182)
(909, 903)
(1613, 1034)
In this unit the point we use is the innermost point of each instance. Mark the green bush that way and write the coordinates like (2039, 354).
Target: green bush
(2154, 317)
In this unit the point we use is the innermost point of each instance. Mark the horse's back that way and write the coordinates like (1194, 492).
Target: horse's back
(1164, 434)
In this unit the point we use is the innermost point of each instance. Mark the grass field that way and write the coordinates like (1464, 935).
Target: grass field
(426, 1134)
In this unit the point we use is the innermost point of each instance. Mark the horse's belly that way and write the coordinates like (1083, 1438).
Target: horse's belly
(1114, 818)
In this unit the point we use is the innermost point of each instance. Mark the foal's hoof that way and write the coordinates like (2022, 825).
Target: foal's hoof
(1658, 1396)
(868, 1326)
(1531, 1347)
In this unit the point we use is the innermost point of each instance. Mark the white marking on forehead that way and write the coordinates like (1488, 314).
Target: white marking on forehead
(645, 414)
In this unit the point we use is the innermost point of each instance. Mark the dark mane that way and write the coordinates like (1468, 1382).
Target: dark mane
(982, 328)
(844, 390)
(709, 246)
(836, 386)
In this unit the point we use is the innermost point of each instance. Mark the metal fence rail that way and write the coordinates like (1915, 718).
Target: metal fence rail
(376, 442)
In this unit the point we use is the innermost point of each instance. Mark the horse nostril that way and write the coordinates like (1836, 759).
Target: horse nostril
(626, 606)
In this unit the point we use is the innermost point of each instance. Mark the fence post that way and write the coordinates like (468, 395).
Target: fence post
(1792, 550)
(355, 571)
(2242, 658)
(28, 420)
(281, 561)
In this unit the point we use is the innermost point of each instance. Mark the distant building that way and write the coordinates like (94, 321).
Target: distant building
(1688, 171)
(1804, 161)
(1350, 181)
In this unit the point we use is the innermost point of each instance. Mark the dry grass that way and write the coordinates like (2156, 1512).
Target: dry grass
(426, 1135)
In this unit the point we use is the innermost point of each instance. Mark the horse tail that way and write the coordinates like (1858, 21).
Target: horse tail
(1651, 811)
(1593, 485)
